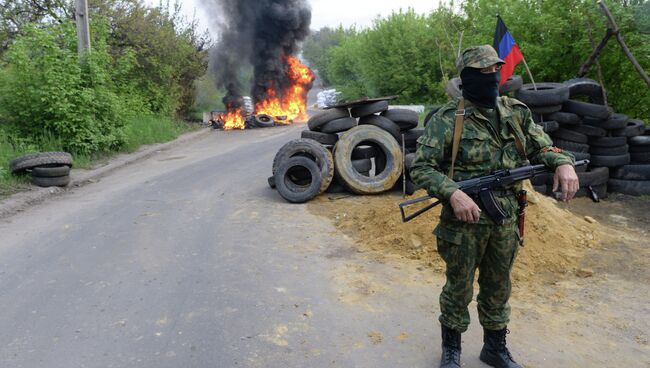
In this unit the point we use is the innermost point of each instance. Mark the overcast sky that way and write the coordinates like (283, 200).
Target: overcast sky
(335, 12)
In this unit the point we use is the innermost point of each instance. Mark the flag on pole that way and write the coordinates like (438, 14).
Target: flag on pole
(507, 49)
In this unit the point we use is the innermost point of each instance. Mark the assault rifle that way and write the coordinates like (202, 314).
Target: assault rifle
(482, 187)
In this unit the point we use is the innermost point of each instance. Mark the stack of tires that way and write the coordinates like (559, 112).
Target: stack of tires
(590, 130)
(357, 149)
(48, 169)
(634, 178)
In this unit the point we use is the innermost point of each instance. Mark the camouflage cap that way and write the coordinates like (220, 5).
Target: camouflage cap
(478, 57)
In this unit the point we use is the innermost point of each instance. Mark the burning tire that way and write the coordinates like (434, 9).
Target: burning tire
(32, 160)
(321, 118)
(298, 191)
(312, 150)
(369, 109)
(388, 149)
(264, 121)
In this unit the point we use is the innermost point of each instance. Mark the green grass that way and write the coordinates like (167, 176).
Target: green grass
(138, 131)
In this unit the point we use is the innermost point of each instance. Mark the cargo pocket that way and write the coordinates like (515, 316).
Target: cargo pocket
(449, 241)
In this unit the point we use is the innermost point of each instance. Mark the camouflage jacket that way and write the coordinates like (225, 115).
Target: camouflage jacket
(482, 151)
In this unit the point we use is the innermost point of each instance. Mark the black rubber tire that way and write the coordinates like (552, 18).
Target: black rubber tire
(271, 181)
(358, 183)
(639, 149)
(369, 109)
(311, 149)
(608, 141)
(430, 114)
(615, 121)
(513, 83)
(630, 187)
(631, 172)
(326, 139)
(363, 166)
(641, 140)
(57, 181)
(570, 135)
(319, 119)
(264, 121)
(411, 137)
(640, 157)
(564, 118)
(585, 87)
(571, 146)
(51, 172)
(338, 125)
(595, 176)
(588, 120)
(32, 160)
(586, 109)
(545, 110)
(579, 156)
(361, 152)
(609, 161)
(293, 192)
(453, 88)
(383, 123)
(405, 119)
(609, 151)
(408, 161)
(588, 130)
(337, 187)
(547, 94)
(549, 126)
(633, 128)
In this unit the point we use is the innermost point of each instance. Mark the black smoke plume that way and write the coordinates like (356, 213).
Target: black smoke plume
(261, 33)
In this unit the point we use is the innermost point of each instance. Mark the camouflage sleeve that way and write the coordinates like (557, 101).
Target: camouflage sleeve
(539, 146)
(433, 147)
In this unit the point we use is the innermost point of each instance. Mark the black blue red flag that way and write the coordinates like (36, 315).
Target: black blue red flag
(507, 49)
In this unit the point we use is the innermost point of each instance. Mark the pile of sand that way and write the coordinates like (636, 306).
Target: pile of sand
(556, 240)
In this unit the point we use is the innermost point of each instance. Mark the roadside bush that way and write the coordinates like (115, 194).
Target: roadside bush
(45, 89)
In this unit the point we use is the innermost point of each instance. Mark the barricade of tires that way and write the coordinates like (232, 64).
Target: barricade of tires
(47, 169)
(357, 149)
(618, 147)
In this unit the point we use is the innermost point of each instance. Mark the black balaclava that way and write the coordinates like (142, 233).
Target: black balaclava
(481, 89)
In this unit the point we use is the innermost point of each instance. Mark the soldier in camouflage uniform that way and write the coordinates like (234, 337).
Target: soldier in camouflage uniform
(466, 238)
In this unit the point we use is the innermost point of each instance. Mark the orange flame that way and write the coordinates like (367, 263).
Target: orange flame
(291, 106)
(293, 103)
(233, 120)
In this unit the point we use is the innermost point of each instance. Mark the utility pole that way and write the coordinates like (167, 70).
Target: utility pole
(83, 29)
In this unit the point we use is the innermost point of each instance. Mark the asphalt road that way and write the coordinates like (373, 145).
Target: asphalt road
(189, 259)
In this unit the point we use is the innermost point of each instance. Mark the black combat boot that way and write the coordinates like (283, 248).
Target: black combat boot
(495, 353)
(450, 348)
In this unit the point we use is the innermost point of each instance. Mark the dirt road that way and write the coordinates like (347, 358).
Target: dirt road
(188, 259)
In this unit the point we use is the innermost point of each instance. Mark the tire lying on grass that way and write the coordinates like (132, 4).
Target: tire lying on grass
(51, 171)
(55, 181)
(312, 150)
(297, 191)
(32, 160)
(388, 148)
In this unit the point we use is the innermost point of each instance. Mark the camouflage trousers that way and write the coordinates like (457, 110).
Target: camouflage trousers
(465, 247)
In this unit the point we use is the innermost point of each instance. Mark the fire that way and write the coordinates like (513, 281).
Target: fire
(286, 106)
(233, 120)
(293, 103)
